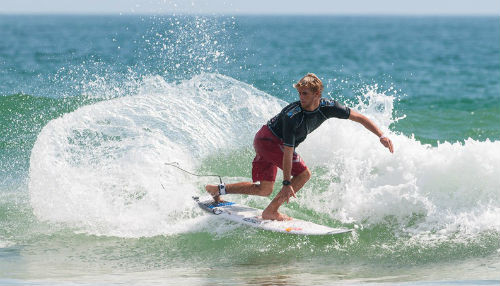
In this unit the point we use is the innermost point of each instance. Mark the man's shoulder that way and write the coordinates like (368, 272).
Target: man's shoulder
(292, 109)
(332, 108)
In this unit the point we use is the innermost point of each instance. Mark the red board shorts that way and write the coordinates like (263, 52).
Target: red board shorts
(269, 157)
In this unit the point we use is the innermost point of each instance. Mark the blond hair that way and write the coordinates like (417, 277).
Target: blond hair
(310, 81)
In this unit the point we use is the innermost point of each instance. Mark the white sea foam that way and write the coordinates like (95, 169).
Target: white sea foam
(450, 189)
(99, 168)
(6, 243)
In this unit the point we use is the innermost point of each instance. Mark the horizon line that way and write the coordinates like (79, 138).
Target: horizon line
(243, 14)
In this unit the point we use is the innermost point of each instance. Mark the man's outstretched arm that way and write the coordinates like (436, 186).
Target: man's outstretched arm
(368, 124)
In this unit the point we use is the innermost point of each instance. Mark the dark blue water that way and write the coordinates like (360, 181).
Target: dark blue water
(446, 63)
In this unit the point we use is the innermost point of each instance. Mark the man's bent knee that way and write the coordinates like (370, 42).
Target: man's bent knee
(306, 174)
(265, 189)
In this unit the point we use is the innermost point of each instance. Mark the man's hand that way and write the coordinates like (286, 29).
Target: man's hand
(387, 143)
(287, 192)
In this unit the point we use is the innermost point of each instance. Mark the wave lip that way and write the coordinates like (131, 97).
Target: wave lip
(101, 168)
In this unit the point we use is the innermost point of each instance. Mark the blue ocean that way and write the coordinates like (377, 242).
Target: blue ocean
(92, 107)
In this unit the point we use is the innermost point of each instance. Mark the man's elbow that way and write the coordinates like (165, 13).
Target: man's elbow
(357, 117)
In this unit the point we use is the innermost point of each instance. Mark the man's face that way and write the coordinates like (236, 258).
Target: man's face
(307, 97)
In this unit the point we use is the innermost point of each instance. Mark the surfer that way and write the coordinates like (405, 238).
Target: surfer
(276, 141)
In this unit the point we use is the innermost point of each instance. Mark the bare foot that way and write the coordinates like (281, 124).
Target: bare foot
(213, 190)
(275, 216)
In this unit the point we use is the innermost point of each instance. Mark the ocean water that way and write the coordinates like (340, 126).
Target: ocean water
(92, 107)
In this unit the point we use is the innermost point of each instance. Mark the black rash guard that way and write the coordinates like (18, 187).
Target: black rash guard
(293, 123)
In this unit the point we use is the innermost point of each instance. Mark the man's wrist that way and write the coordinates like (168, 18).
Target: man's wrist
(286, 182)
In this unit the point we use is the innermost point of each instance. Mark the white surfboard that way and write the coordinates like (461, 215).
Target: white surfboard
(252, 217)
